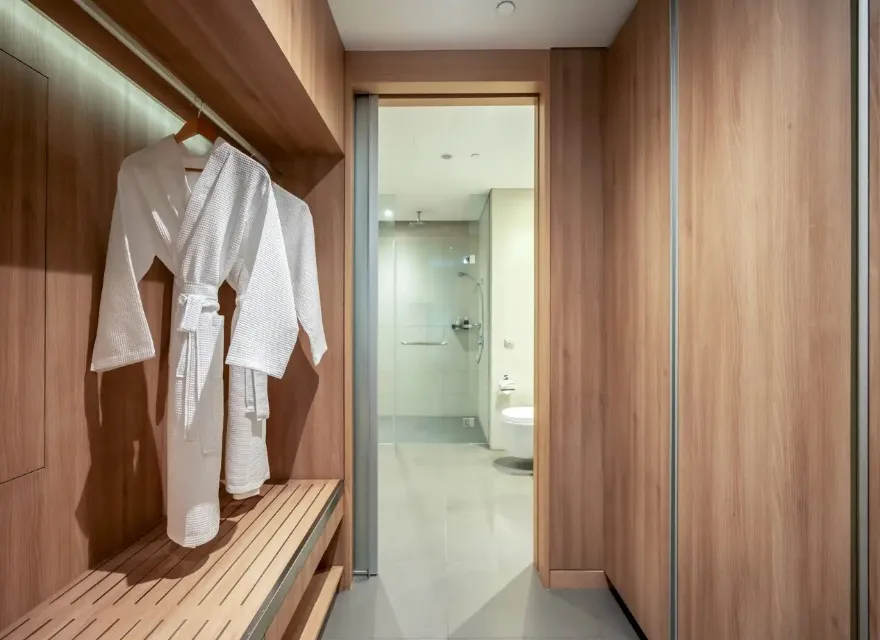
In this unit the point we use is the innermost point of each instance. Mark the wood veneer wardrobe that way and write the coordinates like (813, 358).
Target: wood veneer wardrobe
(81, 455)
(763, 248)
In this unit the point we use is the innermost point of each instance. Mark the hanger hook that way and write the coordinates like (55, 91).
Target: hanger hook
(201, 105)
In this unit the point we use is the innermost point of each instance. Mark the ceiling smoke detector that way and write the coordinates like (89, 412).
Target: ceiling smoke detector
(447, 156)
(505, 8)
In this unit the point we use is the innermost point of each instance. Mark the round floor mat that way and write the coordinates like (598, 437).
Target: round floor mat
(515, 466)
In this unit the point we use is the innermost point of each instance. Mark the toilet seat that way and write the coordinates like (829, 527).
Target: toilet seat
(519, 415)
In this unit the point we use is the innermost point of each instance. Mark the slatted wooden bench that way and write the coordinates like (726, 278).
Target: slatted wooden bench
(262, 576)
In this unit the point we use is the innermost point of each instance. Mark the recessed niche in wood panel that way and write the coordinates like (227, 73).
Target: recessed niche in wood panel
(22, 267)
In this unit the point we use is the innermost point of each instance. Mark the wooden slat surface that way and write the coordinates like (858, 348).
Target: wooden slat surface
(296, 604)
(158, 589)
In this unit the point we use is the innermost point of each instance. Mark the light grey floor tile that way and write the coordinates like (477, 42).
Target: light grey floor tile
(497, 604)
(400, 603)
(455, 559)
(487, 539)
(428, 429)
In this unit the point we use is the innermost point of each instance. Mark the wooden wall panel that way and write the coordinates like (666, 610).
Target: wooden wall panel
(637, 316)
(305, 433)
(541, 508)
(874, 327)
(101, 484)
(23, 289)
(576, 261)
(484, 72)
(74, 20)
(765, 500)
(259, 94)
(306, 32)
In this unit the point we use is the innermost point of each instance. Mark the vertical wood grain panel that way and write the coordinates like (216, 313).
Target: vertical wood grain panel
(765, 501)
(22, 267)
(307, 34)
(637, 316)
(22, 524)
(305, 433)
(874, 326)
(576, 257)
(101, 485)
(542, 468)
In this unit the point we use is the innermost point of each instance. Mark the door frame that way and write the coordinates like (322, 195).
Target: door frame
(460, 78)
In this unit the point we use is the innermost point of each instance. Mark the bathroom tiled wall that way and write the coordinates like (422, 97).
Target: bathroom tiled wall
(420, 296)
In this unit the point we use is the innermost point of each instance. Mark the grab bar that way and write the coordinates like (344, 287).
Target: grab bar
(424, 344)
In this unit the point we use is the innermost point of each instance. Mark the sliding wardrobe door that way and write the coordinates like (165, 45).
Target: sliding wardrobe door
(765, 468)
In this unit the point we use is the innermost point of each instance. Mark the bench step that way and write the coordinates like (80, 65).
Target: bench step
(314, 607)
(229, 588)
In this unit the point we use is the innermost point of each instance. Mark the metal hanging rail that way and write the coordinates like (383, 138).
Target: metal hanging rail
(134, 46)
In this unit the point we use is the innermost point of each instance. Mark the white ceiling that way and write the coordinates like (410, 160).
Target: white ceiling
(475, 24)
(414, 177)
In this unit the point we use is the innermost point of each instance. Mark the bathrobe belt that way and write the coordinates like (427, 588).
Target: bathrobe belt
(256, 389)
(200, 306)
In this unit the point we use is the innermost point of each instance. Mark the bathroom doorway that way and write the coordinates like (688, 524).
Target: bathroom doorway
(452, 222)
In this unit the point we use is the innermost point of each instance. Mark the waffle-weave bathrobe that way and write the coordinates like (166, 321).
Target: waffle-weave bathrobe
(247, 460)
(202, 229)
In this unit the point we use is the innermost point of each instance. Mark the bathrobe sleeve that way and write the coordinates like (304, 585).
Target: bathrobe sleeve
(266, 327)
(299, 239)
(123, 335)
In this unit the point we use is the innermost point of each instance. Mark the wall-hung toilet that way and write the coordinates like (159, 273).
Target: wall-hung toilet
(519, 427)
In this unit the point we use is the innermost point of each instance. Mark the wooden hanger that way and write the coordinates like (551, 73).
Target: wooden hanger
(197, 126)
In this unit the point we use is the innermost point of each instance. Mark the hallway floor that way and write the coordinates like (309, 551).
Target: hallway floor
(455, 554)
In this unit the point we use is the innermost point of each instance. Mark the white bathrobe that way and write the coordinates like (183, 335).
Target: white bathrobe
(227, 221)
(247, 461)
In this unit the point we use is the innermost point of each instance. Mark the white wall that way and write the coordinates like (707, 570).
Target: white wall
(512, 294)
(420, 296)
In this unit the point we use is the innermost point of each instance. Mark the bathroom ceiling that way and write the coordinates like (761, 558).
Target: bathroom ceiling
(414, 176)
(475, 24)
